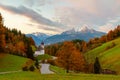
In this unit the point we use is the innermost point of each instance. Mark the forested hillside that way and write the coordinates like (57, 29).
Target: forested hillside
(15, 42)
(83, 46)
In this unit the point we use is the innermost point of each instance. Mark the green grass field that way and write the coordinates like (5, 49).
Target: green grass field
(109, 58)
(11, 62)
(37, 76)
(57, 76)
(43, 57)
(57, 70)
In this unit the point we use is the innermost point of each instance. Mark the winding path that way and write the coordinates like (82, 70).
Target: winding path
(10, 72)
(45, 69)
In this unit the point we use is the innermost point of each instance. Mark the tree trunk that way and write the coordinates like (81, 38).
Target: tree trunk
(67, 68)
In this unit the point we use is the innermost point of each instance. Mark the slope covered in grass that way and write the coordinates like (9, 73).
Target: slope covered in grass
(108, 54)
(57, 70)
(11, 62)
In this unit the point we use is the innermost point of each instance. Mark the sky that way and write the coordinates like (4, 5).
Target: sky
(56, 16)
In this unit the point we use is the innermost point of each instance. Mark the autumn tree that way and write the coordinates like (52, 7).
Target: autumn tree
(2, 35)
(110, 35)
(20, 48)
(70, 58)
(84, 46)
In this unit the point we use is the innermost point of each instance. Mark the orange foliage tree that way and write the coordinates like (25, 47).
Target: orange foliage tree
(70, 58)
(2, 36)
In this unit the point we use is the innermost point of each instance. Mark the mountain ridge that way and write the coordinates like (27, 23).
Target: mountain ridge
(38, 37)
(84, 33)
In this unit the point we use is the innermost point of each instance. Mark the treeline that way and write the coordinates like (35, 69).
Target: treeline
(14, 42)
(111, 35)
(83, 46)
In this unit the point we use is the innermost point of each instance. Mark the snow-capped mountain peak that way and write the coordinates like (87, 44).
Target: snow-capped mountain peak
(38, 37)
(83, 29)
(86, 29)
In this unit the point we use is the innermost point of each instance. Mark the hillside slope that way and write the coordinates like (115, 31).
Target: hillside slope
(109, 55)
(11, 62)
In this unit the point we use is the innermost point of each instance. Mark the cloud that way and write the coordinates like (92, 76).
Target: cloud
(32, 3)
(71, 13)
(76, 17)
(110, 25)
(107, 27)
(90, 12)
(45, 27)
(32, 15)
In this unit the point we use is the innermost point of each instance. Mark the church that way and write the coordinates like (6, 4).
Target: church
(40, 50)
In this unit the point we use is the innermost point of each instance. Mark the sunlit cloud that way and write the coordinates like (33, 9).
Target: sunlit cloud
(107, 27)
(90, 12)
(22, 13)
(56, 16)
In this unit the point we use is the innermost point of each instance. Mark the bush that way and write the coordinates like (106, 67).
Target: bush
(25, 68)
(50, 61)
(37, 64)
(43, 61)
(32, 68)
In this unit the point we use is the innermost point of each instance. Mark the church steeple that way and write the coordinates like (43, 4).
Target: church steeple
(42, 43)
(40, 50)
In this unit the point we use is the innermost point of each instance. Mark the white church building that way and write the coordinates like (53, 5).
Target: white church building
(40, 50)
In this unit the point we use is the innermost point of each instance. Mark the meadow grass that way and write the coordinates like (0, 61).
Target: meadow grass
(57, 70)
(37, 76)
(11, 62)
(43, 57)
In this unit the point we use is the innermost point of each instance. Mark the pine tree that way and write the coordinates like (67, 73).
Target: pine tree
(29, 52)
(97, 67)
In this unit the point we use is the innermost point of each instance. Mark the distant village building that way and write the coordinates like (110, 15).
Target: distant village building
(40, 50)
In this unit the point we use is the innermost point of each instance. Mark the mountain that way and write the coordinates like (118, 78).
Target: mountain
(38, 37)
(83, 33)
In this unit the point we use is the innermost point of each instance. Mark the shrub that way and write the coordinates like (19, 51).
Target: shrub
(32, 68)
(43, 61)
(50, 61)
(37, 64)
(25, 68)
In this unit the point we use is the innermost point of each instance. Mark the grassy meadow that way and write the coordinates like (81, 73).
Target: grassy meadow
(37, 76)
(43, 57)
(11, 62)
(57, 70)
